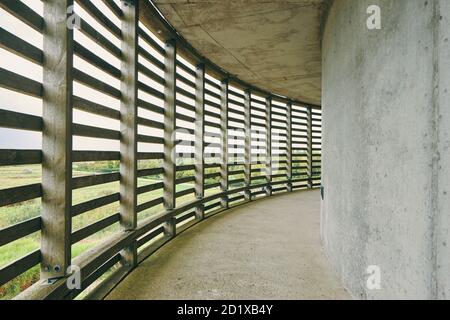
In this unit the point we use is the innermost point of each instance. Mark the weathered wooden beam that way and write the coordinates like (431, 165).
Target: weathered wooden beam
(247, 144)
(224, 141)
(289, 145)
(269, 145)
(57, 140)
(24, 13)
(129, 127)
(20, 47)
(19, 157)
(170, 227)
(15, 82)
(310, 146)
(170, 125)
(20, 230)
(16, 268)
(114, 8)
(200, 138)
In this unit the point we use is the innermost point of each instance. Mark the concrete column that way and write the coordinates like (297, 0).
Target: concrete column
(386, 134)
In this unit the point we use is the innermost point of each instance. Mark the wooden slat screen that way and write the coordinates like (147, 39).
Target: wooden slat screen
(136, 137)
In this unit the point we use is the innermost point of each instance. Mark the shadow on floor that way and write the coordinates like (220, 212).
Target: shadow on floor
(268, 249)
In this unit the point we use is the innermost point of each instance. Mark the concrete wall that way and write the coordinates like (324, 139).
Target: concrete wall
(386, 137)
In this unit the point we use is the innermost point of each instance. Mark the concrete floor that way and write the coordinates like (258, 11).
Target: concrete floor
(269, 249)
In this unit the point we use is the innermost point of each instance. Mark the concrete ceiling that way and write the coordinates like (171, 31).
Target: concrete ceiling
(273, 44)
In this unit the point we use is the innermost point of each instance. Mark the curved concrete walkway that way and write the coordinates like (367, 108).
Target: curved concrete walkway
(268, 249)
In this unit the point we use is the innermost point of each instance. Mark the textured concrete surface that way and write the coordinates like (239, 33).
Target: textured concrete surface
(386, 137)
(273, 44)
(269, 249)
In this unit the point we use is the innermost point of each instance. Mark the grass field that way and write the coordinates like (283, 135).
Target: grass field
(13, 214)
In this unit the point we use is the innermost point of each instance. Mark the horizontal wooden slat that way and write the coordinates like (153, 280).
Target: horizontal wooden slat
(150, 236)
(150, 107)
(212, 84)
(236, 181)
(151, 91)
(261, 103)
(185, 68)
(185, 167)
(185, 192)
(19, 230)
(114, 8)
(185, 217)
(212, 206)
(150, 156)
(236, 198)
(94, 204)
(95, 84)
(14, 44)
(88, 231)
(98, 38)
(212, 175)
(237, 120)
(150, 187)
(16, 268)
(150, 172)
(150, 139)
(211, 103)
(184, 117)
(20, 194)
(150, 58)
(20, 121)
(152, 43)
(185, 93)
(235, 102)
(12, 81)
(185, 105)
(184, 180)
(150, 123)
(95, 108)
(186, 81)
(109, 281)
(212, 185)
(212, 124)
(152, 75)
(94, 132)
(93, 180)
(185, 130)
(95, 60)
(149, 204)
(212, 94)
(100, 17)
(81, 156)
(22, 12)
(20, 157)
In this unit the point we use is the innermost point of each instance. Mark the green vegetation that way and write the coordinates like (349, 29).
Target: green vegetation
(23, 175)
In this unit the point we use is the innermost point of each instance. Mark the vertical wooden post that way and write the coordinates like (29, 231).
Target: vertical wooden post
(289, 146)
(199, 138)
(170, 228)
(224, 141)
(248, 144)
(169, 126)
(269, 145)
(129, 127)
(57, 141)
(310, 147)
